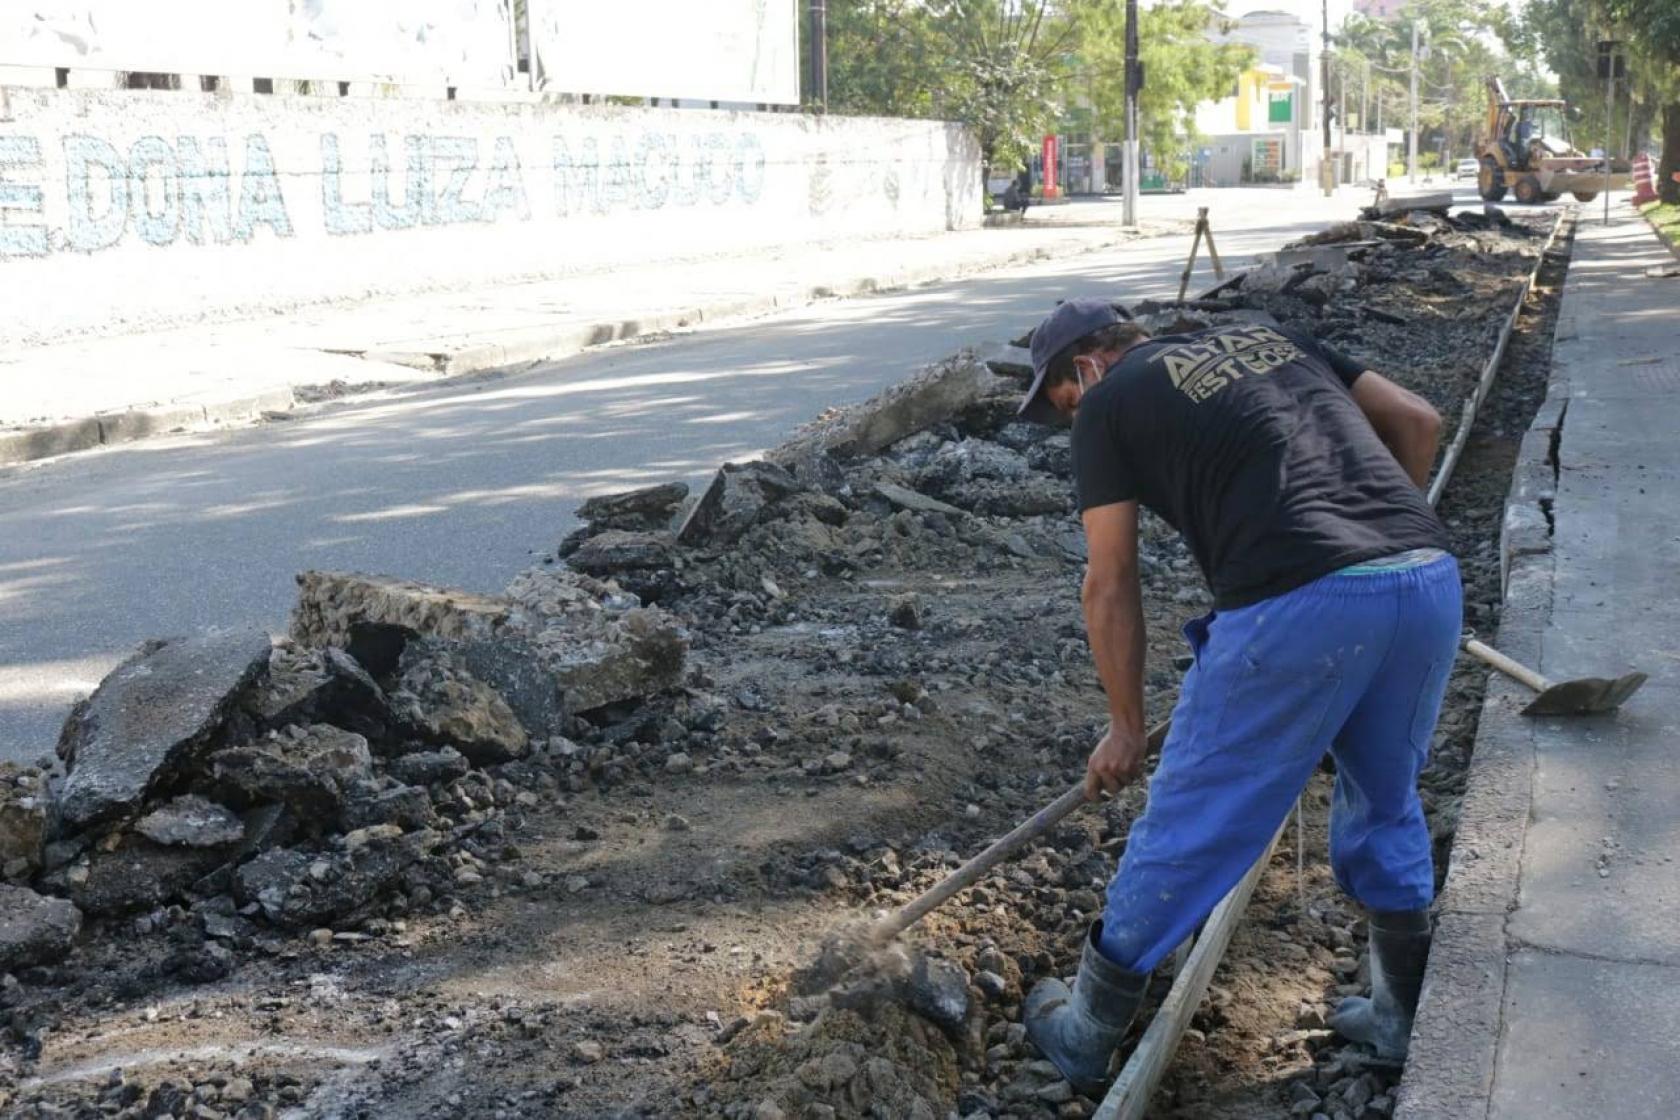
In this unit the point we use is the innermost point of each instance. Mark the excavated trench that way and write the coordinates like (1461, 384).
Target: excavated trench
(887, 669)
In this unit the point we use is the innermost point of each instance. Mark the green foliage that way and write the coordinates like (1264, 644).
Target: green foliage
(994, 65)
(1652, 25)
(1182, 68)
(1009, 100)
(1564, 33)
(1460, 53)
(882, 58)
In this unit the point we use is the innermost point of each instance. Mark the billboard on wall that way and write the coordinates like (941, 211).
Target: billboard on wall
(720, 50)
(444, 42)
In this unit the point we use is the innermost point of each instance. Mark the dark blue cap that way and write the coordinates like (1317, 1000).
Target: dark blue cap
(1070, 322)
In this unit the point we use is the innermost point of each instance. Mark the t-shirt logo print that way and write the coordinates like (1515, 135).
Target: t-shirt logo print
(1200, 369)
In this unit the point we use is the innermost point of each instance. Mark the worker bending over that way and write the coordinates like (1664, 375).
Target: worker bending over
(1294, 475)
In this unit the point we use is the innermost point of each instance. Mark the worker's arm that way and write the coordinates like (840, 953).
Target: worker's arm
(1407, 424)
(1114, 622)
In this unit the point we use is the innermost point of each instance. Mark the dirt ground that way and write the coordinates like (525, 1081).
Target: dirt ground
(873, 695)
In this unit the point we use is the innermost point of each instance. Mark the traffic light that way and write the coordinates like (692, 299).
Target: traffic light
(1611, 63)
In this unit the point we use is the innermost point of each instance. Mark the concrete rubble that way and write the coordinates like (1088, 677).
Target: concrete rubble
(827, 619)
(25, 819)
(300, 780)
(151, 717)
(191, 821)
(34, 929)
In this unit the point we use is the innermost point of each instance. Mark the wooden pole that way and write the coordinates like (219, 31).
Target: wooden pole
(1195, 245)
(1213, 254)
(995, 853)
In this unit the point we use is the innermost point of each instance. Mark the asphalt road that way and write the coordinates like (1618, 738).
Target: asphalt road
(465, 484)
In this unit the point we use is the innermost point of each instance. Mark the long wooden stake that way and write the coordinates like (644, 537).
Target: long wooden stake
(1213, 254)
(1195, 244)
(1129, 1096)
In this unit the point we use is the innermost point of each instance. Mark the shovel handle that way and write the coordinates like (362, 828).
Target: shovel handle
(966, 875)
(995, 853)
(1513, 669)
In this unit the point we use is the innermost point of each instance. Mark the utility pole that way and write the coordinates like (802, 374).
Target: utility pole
(1327, 172)
(1365, 99)
(819, 53)
(1607, 55)
(1134, 83)
(1412, 140)
(1341, 113)
(1365, 121)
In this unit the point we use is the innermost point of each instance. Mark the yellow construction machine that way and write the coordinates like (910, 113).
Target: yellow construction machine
(1524, 148)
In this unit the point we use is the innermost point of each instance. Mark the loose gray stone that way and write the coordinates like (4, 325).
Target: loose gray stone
(138, 875)
(406, 806)
(34, 929)
(914, 500)
(150, 718)
(634, 508)
(734, 501)
(446, 703)
(318, 686)
(25, 817)
(301, 890)
(938, 990)
(307, 769)
(558, 643)
(425, 767)
(617, 550)
(192, 821)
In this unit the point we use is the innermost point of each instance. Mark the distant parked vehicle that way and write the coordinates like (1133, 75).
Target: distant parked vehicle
(1467, 169)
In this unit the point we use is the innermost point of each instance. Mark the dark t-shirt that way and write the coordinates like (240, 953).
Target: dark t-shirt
(1247, 440)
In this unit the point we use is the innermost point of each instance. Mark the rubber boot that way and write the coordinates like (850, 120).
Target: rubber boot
(1079, 1029)
(1399, 950)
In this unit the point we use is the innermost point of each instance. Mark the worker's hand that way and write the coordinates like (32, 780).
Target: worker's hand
(1116, 761)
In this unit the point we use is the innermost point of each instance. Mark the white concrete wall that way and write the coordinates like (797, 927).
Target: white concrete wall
(120, 208)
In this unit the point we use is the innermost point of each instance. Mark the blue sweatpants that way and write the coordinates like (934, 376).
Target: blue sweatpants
(1355, 663)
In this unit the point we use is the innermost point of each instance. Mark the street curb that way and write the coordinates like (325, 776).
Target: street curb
(1455, 1038)
(521, 347)
(25, 445)
(544, 344)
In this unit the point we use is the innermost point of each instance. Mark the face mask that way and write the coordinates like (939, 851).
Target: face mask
(1079, 374)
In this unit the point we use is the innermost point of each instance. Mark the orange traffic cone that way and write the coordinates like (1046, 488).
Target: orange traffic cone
(1644, 180)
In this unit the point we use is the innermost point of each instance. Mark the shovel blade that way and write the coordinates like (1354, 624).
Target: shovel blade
(1586, 696)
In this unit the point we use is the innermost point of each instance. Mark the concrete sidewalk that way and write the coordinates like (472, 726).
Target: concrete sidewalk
(77, 394)
(1554, 981)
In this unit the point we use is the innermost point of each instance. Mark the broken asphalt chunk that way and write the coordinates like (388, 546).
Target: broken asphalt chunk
(191, 821)
(34, 929)
(150, 718)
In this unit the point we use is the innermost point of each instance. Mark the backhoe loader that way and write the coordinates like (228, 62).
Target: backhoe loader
(1524, 148)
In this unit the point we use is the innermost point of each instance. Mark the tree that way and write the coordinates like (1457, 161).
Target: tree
(1452, 74)
(1652, 30)
(1008, 63)
(994, 65)
(1565, 34)
(883, 58)
(1183, 67)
